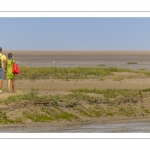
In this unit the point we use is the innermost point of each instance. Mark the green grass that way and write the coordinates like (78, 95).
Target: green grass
(126, 111)
(4, 118)
(84, 112)
(130, 112)
(49, 115)
(18, 120)
(34, 73)
(33, 96)
(96, 112)
(78, 104)
(132, 63)
(118, 79)
(145, 110)
(146, 90)
(60, 73)
(35, 117)
(101, 65)
(65, 115)
(110, 93)
(30, 96)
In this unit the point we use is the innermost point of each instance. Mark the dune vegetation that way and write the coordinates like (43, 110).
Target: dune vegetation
(71, 73)
(79, 105)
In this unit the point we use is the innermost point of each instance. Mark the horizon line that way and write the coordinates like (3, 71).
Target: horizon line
(75, 50)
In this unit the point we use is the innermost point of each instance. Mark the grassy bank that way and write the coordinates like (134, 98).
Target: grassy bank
(77, 106)
(72, 73)
(67, 73)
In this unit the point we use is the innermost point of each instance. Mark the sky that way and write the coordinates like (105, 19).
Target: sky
(64, 33)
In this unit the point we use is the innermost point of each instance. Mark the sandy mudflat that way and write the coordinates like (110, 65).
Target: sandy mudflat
(63, 87)
(83, 58)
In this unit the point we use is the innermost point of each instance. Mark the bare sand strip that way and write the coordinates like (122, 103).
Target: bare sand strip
(61, 85)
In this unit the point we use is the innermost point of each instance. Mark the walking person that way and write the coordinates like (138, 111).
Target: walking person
(9, 75)
(2, 68)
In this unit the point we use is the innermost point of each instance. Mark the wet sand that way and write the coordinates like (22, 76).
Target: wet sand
(83, 58)
(95, 125)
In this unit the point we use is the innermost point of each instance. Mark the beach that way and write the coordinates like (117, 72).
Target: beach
(134, 60)
(82, 58)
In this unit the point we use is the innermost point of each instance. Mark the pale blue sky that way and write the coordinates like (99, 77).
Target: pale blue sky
(75, 33)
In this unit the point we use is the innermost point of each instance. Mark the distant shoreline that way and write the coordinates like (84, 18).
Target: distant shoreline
(78, 58)
(86, 52)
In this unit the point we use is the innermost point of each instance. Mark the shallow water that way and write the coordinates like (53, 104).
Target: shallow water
(113, 128)
(83, 59)
(92, 128)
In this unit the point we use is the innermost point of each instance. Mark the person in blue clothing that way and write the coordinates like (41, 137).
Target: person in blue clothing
(2, 68)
